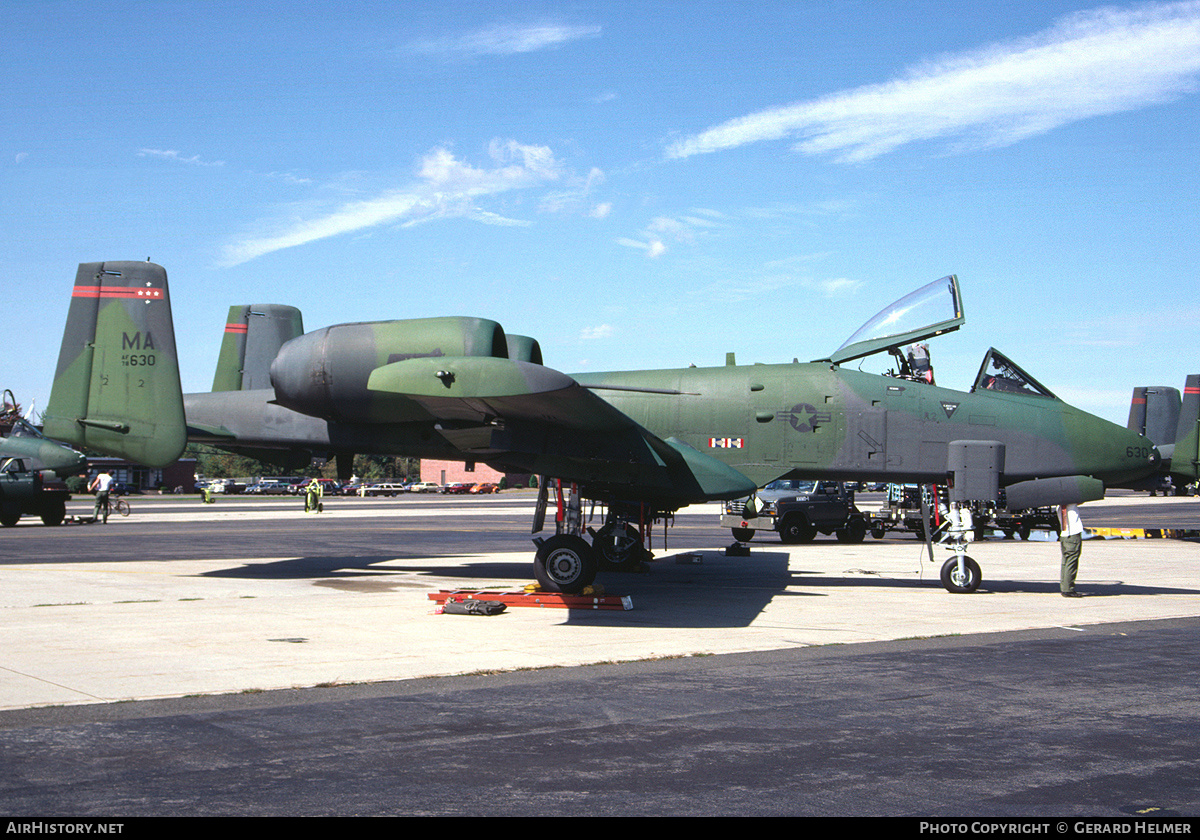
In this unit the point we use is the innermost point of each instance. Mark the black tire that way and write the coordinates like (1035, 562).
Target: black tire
(795, 529)
(877, 531)
(565, 564)
(959, 584)
(618, 547)
(9, 519)
(854, 532)
(743, 534)
(54, 513)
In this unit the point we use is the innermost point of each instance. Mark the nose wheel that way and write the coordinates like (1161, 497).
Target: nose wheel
(961, 575)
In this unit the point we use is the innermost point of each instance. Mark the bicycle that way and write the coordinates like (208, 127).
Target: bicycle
(110, 506)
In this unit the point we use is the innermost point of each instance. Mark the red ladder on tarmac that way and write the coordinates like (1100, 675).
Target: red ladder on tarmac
(520, 598)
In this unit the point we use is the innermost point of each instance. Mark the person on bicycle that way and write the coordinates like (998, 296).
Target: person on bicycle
(101, 485)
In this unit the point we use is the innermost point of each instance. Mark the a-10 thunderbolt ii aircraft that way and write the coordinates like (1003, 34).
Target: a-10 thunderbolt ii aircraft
(643, 443)
(32, 470)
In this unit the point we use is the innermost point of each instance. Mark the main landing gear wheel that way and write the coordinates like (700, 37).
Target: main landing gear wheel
(565, 563)
(618, 546)
(961, 582)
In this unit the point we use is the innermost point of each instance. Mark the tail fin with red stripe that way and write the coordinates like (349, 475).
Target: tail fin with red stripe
(1154, 412)
(253, 336)
(1185, 460)
(116, 388)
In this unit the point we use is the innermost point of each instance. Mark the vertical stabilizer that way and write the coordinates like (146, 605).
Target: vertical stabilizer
(1185, 461)
(253, 336)
(116, 388)
(1154, 412)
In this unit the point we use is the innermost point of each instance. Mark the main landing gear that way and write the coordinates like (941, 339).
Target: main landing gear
(566, 562)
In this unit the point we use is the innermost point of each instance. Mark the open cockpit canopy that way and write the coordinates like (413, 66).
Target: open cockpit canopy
(930, 310)
(1000, 373)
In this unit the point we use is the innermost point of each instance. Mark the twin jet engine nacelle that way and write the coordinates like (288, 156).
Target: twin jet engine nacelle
(324, 373)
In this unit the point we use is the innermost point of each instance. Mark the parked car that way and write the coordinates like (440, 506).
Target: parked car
(425, 487)
(385, 489)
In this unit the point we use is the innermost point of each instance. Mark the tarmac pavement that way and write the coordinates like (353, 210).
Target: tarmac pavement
(250, 595)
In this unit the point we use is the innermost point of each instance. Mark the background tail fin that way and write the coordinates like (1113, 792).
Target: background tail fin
(1154, 412)
(1185, 460)
(116, 388)
(253, 336)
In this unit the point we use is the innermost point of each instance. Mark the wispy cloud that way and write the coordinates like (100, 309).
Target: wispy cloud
(576, 194)
(683, 230)
(446, 187)
(288, 178)
(1089, 64)
(171, 154)
(652, 247)
(503, 40)
(597, 332)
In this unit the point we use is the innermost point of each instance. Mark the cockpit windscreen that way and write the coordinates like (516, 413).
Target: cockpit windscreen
(999, 373)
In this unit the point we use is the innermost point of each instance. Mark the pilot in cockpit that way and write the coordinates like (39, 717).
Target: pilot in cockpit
(919, 363)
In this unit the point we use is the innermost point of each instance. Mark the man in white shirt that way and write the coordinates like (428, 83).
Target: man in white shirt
(101, 484)
(1070, 540)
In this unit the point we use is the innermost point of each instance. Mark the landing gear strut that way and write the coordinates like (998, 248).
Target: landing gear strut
(960, 574)
(565, 562)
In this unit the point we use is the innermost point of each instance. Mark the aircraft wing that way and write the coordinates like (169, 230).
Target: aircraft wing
(527, 416)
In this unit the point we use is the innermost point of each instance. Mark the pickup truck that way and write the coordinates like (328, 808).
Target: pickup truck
(798, 509)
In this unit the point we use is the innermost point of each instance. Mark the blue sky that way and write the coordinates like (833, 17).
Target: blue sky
(636, 184)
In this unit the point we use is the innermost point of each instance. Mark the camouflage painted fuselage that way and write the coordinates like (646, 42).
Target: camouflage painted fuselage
(817, 420)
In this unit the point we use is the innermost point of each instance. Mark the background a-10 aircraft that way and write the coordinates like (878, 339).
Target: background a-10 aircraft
(644, 443)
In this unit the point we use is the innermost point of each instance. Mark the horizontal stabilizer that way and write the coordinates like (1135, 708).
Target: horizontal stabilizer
(1044, 492)
(116, 388)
